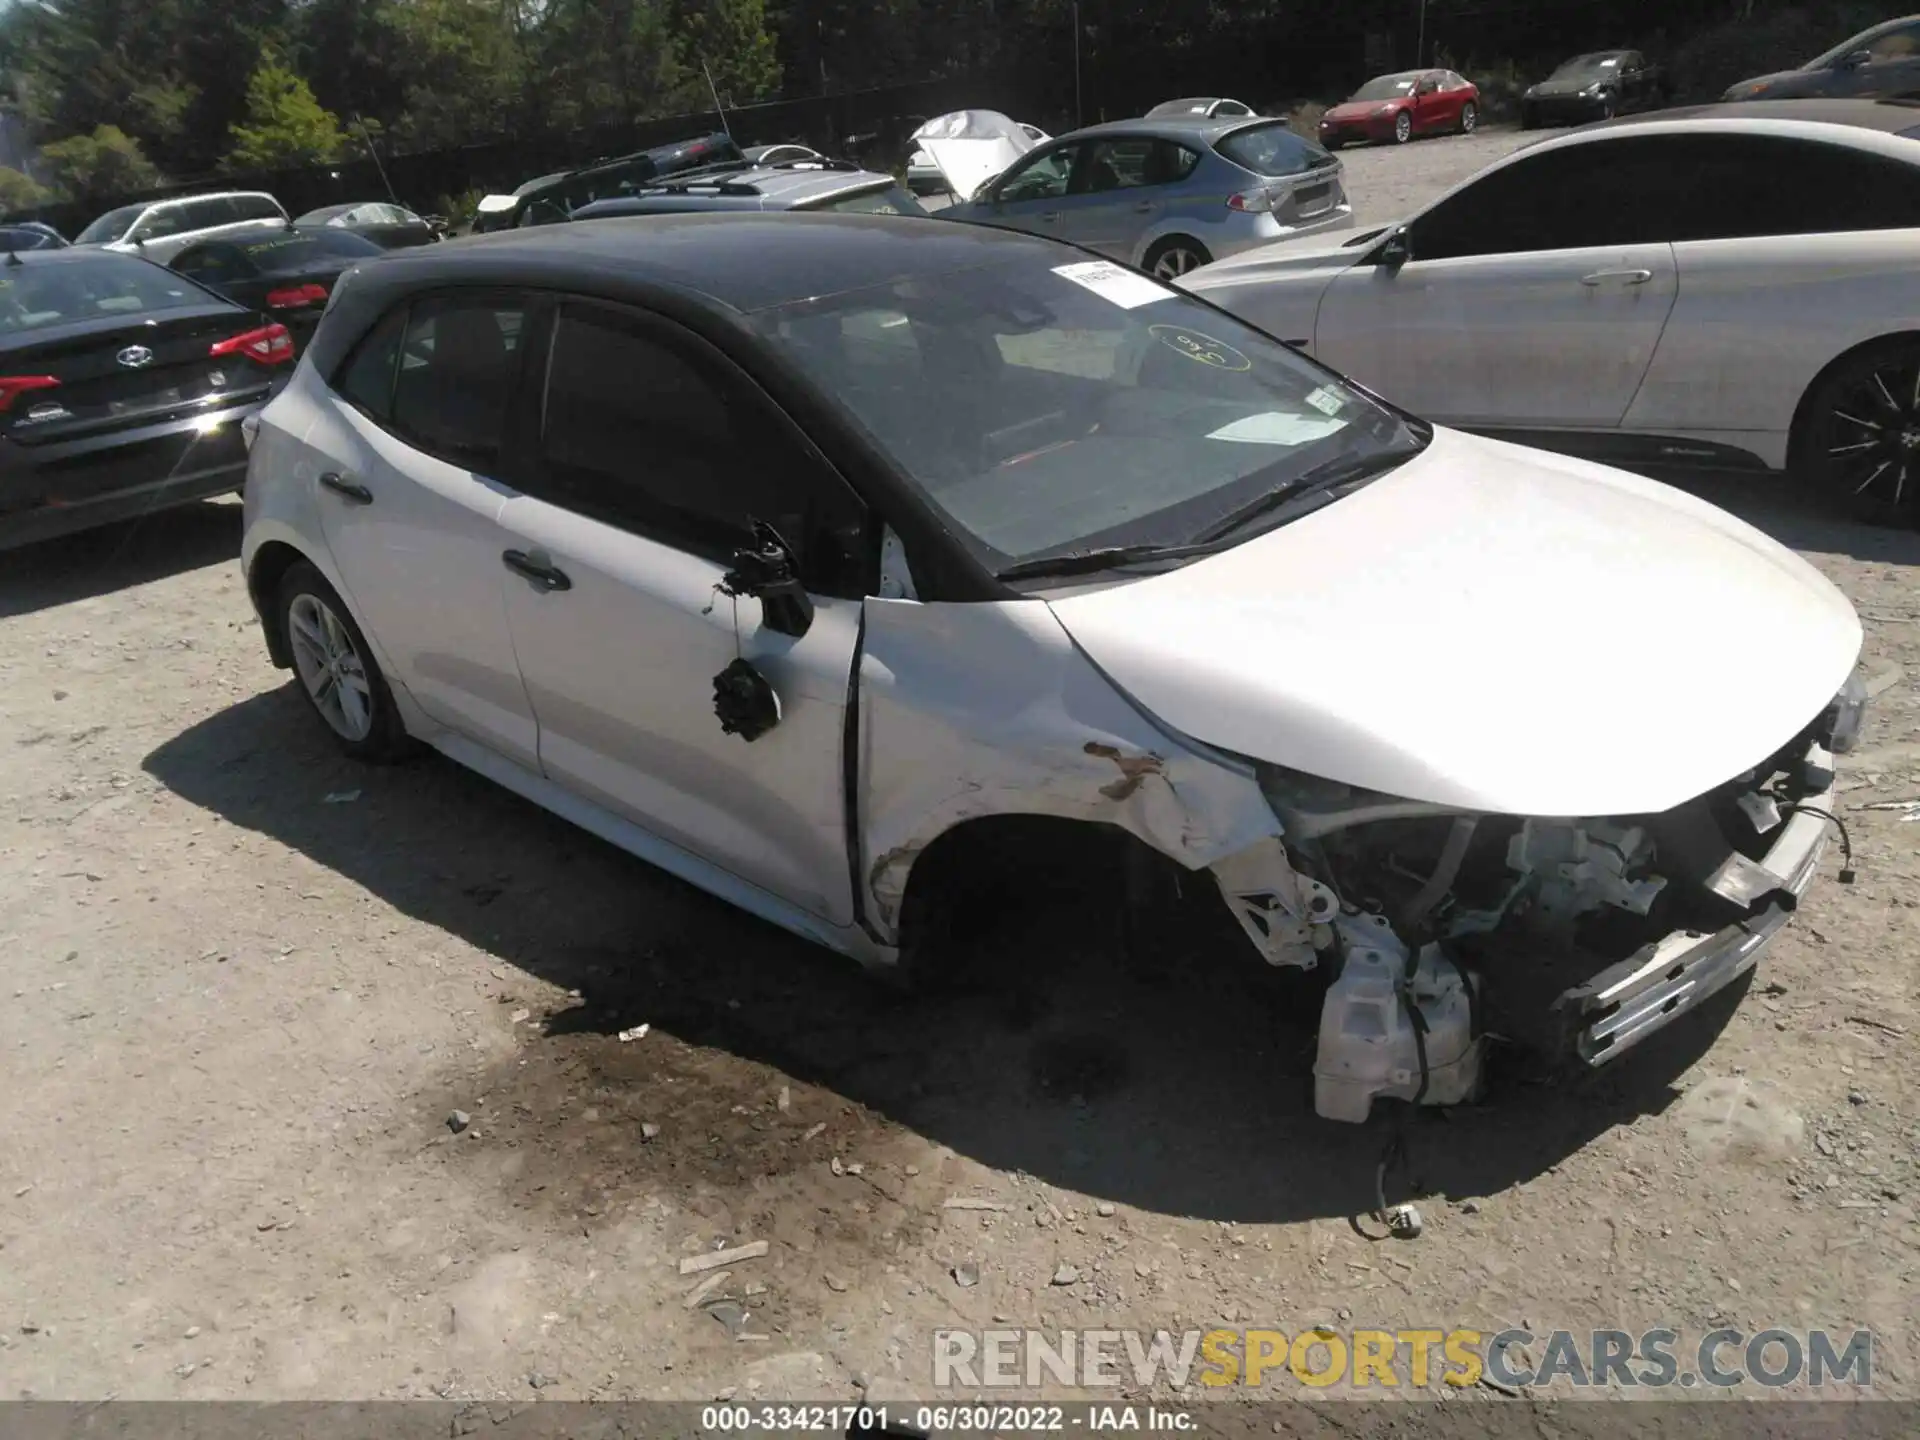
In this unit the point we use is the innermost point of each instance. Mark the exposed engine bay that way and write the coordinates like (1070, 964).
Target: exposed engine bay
(1572, 937)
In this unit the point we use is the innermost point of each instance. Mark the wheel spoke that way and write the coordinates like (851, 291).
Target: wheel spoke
(1893, 405)
(1900, 485)
(1879, 470)
(1855, 420)
(1849, 449)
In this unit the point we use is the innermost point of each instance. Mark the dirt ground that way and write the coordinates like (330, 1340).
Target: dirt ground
(250, 982)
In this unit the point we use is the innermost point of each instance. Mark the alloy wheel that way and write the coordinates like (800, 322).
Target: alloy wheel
(1175, 261)
(1469, 118)
(1402, 128)
(1867, 441)
(331, 667)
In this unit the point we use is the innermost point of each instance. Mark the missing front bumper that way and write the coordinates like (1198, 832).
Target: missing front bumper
(1663, 980)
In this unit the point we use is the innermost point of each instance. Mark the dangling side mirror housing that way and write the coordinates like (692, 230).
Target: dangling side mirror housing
(1396, 250)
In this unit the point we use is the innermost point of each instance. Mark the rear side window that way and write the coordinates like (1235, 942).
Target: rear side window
(204, 214)
(365, 381)
(458, 367)
(39, 296)
(256, 207)
(1272, 150)
(884, 200)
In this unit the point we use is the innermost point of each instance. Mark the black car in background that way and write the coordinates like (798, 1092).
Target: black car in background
(30, 235)
(555, 200)
(1595, 86)
(122, 389)
(287, 271)
(390, 226)
(1882, 63)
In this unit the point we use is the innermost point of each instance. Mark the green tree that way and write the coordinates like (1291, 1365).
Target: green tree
(19, 191)
(732, 39)
(284, 125)
(105, 165)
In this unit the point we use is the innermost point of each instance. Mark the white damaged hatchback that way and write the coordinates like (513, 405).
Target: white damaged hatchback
(804, 580)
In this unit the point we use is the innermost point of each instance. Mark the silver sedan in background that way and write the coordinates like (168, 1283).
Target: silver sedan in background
(1169, 194)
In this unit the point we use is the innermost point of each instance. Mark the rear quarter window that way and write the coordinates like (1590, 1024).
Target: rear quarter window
(882, 200)
(1272, 150)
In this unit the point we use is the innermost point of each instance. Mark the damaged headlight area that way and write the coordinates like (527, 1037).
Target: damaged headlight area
(1573, 937)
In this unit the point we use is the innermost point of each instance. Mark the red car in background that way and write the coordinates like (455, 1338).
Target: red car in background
(1399, 107)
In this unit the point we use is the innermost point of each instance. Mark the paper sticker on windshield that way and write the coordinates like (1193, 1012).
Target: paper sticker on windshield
(1608, 64)
(1197, 346)
(1325, 401)
(1113, 284)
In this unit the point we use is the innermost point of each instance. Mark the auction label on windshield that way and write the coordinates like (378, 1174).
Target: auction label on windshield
(1114, 284)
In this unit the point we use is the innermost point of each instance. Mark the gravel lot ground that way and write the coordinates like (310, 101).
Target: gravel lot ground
(249, 982)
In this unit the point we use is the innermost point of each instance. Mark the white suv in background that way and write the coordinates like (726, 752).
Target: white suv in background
(161, 229)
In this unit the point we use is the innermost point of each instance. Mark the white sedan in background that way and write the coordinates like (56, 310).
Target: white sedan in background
(1731, 287)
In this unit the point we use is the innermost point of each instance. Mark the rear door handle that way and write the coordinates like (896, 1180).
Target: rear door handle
(545, 577)
(1145, 207)
(1051, 217)
(347, 489)
(1625, 277)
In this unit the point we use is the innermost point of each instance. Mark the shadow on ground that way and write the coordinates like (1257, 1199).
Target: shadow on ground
(1770, 503)
(117, 557)
(1184, 1092)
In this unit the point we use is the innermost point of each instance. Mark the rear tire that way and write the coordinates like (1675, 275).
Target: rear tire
(1856, 439)
(1469, 118)
(335, 668)
(1174, 256)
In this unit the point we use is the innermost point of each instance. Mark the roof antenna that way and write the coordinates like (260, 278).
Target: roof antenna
(375, 154)
(718, 109)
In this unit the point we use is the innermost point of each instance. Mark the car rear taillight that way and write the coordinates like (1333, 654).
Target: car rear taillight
(12, 385)
(269, 345)
(296, 297)
(1252, 202)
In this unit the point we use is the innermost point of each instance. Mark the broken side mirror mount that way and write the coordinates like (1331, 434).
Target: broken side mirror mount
(770, 573)
(1396, 250)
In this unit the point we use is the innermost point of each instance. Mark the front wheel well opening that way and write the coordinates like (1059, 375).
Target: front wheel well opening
(270, 565)
(1803, 410)
(986, 892)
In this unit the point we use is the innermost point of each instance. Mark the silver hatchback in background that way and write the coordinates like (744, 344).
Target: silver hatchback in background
(1168, 193)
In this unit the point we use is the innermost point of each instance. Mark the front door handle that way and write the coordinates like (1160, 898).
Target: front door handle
(348, 489)
(1625, 277)
(1051, 217)
(1145, 207)
(544, 577)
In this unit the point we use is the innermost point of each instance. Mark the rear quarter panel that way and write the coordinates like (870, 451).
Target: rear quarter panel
(1756, 321)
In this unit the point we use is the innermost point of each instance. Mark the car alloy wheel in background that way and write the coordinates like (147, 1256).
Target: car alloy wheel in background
(1469, 117)
(1402, 128)
(1860, 446)
(1171, 259)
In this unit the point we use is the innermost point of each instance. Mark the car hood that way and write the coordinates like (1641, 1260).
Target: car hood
(1362, 109)
(1561, 89)
(1224, 282)
(1493, 628)
(970, 147)
(1781, 85)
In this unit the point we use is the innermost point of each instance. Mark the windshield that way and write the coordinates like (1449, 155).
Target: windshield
(298, 250)
(1053, 407)
(1387, 87)
(1587, 67)
(36, 297)
(111, 226)
(880, 200)
(1877, 40)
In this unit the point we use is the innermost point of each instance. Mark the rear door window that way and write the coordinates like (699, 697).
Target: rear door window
(256, 207)
(459, 365)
